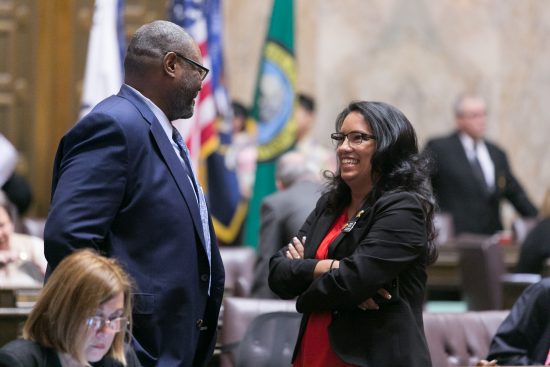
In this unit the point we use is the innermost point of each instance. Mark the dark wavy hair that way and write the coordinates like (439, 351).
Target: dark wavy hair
(396, 163)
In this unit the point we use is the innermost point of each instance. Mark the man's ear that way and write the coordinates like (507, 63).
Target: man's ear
(169, 62)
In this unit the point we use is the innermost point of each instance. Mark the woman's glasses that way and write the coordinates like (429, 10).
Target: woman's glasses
(98, 322)
(354, 138)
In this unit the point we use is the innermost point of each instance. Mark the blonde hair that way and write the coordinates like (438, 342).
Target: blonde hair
(80, 284)
(545, 207)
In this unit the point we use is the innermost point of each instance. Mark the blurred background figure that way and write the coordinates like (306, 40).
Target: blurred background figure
(8, 159)
(241, 155)
(82, 316)
(317, 154)
(535, 250)
(15, 186)
(471, 175)
(284, 212)
(22, 261)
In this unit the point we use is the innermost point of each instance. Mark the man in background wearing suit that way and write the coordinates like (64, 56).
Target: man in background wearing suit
(123, 185)
(284, 212)
(471, 175)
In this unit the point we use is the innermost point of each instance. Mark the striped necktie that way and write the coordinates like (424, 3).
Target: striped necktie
(184, 153)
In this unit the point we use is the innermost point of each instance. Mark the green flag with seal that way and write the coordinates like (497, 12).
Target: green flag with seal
(273, 108)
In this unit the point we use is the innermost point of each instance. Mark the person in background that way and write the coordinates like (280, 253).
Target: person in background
(318, 155)
(241, 155)
(15, 186)
(535, 249)
(371, 233)
(22, 261)
(283, 213)
(123, 185)
(523, 338)
(8, 159)
(82, 316)
(471, 175)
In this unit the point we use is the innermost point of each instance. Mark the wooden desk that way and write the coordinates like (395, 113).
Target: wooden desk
(444, 274)
(18, 297)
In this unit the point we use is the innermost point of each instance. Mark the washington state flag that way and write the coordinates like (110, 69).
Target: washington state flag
(273, 108)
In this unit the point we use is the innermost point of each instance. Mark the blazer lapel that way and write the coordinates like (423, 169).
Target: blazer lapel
(170, 157)
(314, 240)
(355, 224)
(179, 174)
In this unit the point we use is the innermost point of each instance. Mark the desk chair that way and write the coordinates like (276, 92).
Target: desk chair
(239, 269)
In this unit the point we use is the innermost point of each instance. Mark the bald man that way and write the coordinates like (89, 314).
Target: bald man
(284, 212)
(123, 186)
(471, 175)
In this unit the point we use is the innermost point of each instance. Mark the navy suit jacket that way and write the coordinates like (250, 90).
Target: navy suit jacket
(119, 187)
(474, 208)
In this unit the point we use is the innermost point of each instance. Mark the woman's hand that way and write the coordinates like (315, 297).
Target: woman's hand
(7, 257)
(369, 304)
(487, 363)
(296, 248)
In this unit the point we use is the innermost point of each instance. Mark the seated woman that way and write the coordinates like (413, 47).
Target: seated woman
(82, 316)
(22, 261)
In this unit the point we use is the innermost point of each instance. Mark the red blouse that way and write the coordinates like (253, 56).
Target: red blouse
(315, 349)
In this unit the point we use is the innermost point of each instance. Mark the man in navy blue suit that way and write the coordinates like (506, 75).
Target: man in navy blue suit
(123, 185)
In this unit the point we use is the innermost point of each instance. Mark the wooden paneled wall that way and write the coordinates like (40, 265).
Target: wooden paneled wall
(43, 46)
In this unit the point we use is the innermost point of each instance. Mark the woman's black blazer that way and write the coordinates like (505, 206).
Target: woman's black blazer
(386, 248)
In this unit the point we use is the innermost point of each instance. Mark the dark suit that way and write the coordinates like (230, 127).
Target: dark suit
(523, 338)
(26, 353)
(473, 207)
(386, 245)
(119, 187)
(535, 250)
(282, 215)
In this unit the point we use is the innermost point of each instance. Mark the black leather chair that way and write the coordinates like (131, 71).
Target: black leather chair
(238, 314)
(269, 340)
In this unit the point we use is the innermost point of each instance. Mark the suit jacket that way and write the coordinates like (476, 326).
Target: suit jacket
(473, 207)
(386, 248)
(26, 353)
(523, 338)
(119, 187)
(282, 215)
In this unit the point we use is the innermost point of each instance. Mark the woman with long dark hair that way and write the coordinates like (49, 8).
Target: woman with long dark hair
(358, 264)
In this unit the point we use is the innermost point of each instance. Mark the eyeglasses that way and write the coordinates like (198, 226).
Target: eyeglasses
(354, 138)
(97, 322)
(203, 72)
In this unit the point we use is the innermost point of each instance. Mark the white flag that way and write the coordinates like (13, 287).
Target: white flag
(103, 75)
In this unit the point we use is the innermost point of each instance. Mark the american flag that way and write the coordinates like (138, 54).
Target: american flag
(206, 135)
(199, 131)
